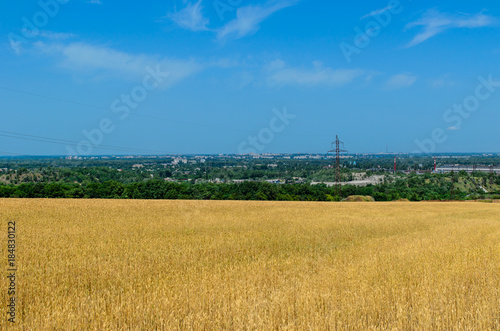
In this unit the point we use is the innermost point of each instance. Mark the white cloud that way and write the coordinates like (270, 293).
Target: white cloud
(453, 128)
(95, 2)
(56, 35)
(279, 74)
(248, 19)
(434, 22)
(241, 79)
(377, 12)
(99, 60)
(275, 65)
(16, 45)
(400, 81)
(442, 81)
(191, 17)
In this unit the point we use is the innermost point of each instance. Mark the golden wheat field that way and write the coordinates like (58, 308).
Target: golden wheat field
(212, 265)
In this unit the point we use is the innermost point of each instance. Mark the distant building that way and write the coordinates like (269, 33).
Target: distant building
(467, 168)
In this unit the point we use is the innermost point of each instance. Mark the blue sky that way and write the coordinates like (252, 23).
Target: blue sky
(238, 76)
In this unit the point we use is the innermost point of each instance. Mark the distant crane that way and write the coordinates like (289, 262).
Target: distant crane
(337, 152)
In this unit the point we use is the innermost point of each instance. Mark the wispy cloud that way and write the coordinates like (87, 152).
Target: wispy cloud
(248, 19)
(280, 74)
(191, 17)
(19, 44)
(51, 35)
(105, 61)
(434, 22)
(95, 2)
(377, 12)
(442, 81)
(400, 81)
(16, 46)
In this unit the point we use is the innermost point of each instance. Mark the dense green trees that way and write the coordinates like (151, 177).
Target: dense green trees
(218, 178)
(415, 189)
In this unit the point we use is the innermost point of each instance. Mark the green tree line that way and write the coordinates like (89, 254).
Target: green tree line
(414, 189)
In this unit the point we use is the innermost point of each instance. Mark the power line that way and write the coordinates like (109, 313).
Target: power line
(16, 135)
(52, 98)
(107, 109)
(147, 116)
(13, 154)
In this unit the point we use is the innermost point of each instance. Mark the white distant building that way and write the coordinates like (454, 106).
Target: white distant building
(468, 168)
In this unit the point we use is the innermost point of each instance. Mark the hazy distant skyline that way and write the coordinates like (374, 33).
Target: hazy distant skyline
(229, 76)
